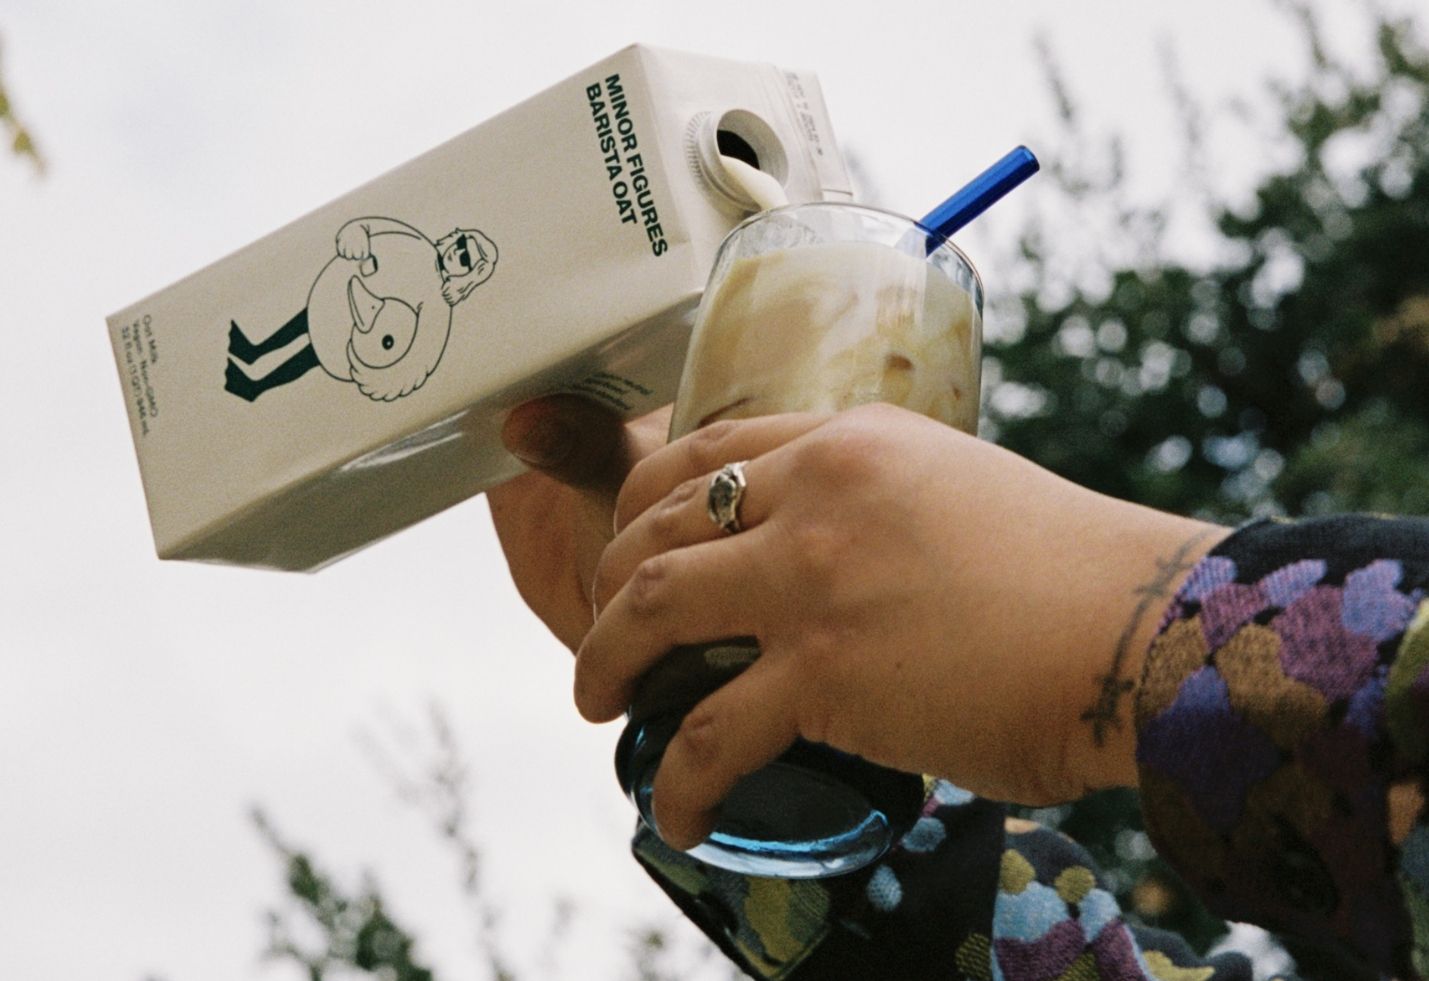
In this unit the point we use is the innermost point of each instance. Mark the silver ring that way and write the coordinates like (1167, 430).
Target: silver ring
(726, 491)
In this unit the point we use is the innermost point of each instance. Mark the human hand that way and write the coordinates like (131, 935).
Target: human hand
(554, 521)
(924, 599)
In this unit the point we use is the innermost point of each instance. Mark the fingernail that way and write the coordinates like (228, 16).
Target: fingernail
(545, 443)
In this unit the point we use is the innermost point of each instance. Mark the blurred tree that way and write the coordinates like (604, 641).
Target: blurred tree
(335, 932)
(328, 932)
(356, 932)
(21, 142)
(1288, 376)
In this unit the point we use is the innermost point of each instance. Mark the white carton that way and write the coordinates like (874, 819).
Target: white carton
(347, 375)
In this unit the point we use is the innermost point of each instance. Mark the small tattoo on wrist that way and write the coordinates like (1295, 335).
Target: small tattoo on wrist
(1105, 712)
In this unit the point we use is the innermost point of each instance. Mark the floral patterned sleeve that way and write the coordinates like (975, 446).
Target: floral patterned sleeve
(1283, 724)
(968, 894)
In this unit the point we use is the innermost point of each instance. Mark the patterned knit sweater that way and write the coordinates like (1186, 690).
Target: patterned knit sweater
(1283, 727)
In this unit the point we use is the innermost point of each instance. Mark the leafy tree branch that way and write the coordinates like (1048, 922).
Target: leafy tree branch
(22, 143)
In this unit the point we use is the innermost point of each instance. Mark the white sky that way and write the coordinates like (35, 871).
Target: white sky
(145, 706)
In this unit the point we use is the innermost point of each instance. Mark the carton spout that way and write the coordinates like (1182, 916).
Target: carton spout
(724, 147)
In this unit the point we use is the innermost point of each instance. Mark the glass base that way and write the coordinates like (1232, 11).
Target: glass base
(814, 812)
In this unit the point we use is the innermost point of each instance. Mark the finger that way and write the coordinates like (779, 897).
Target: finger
(693, 595)
(704, 451)
(740, 727)
(681, 519)
(575, 440)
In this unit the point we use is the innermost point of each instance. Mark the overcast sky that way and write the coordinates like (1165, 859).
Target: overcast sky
(146, 706)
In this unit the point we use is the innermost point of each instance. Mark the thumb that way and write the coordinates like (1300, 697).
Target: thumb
(569, 438)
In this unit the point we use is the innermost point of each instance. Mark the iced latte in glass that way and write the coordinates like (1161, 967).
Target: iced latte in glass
(816, 307)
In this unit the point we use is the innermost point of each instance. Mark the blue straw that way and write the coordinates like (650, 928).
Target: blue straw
(981, 193)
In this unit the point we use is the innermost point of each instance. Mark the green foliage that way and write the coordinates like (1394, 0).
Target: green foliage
(352, 931)
(1288, 376)
(355, 932)
(22, 144)
(349, 935)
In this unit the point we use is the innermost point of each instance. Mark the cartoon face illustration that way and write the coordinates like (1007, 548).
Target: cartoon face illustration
(461, 256)
(466, 258)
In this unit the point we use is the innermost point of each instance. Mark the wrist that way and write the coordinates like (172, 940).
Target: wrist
(1134, 569)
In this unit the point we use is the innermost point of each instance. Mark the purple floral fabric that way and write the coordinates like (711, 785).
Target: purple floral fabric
(1271, 776)
(968, 894)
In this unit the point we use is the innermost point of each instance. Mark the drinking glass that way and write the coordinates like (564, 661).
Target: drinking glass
(814, 307)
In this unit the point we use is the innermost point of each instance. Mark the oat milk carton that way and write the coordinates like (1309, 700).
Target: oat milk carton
(347, 375)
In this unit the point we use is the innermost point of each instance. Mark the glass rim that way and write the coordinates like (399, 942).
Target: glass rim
(944, 243)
